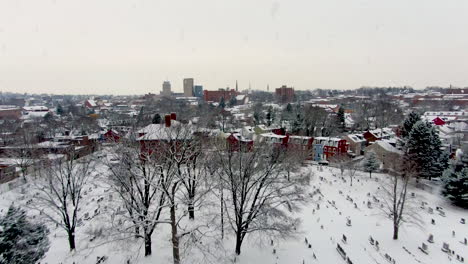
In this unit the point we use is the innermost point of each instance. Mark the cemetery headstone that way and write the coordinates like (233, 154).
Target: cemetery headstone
(431, 238)
(446, 247)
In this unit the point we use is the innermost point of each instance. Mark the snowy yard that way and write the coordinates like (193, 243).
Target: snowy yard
(324, 222)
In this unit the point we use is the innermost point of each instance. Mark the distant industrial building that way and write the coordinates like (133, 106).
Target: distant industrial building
(198, 91)
(284, 94)
(188, 87)
(215, 96)
(10, 112)
(166, 89)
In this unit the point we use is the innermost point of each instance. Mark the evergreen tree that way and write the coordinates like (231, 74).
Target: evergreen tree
(59, 109)
(297, 124)
(269, 116)
(341, 118)
(371, 163)
(423, 146)
(48, 117)
(408, 124)
(233, 101)
(156, 119)
(21, 241)
(289, 108)
(455, 180)
(222, 104)
(257, 117)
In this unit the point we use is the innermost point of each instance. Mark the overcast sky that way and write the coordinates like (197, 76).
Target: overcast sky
(131, 47)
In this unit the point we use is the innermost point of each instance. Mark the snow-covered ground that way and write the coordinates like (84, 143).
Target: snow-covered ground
(323, 228)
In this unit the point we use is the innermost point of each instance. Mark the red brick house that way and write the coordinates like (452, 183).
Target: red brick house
(111, 136)
(236, 142)
(156, 136)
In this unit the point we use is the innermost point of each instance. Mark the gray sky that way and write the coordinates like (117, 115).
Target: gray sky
(129, 47)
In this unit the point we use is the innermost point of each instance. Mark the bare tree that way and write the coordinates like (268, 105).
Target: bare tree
(257, 192)
(293, 157)
(178, 160)
(23, 155)
(352, 168)
(397, 204)
(59, 192)
(342, 162)
(136, 177)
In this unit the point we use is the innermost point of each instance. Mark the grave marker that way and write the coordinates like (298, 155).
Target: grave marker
(431, 238)
(446, 248)
(424, 249)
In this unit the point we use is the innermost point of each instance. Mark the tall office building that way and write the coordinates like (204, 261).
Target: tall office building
(166, 88)
(198, 91)
(188, 87)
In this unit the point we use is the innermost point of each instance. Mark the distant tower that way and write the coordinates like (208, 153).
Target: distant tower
(188, 87)
(268, 87)
(237, 87)
(166, 88)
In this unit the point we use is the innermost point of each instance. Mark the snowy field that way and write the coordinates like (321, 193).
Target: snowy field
(324, 222)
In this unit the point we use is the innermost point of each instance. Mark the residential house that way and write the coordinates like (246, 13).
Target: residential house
(386, 153)
(356, 142)
(328, 147)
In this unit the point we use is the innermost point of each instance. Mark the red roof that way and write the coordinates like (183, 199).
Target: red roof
(438, 121)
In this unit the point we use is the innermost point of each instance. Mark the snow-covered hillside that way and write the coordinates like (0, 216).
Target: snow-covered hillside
(324, 222)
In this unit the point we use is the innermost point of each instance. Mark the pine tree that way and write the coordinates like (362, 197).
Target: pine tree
(408, 124)
(21, 241)
(423, 146)
(156, 119)
(140, 116)
(269, 116)
(233, 101)
(371, 163)
(455, 180)
(48, 117)
(297, 123)
(222, 104)
(341, 118)
(59, 109)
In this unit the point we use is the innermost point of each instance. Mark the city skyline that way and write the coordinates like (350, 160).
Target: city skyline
(131, 47)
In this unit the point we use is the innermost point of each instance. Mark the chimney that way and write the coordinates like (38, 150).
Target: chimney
(167, 120)
(173, 116)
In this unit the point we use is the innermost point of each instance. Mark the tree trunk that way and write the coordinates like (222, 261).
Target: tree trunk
(395, 232)
(147, 244)
(370, 174)
(222, 215)
(71, 239)
(191, 210)
(175, 238)
(137, 230)
(238, 242)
